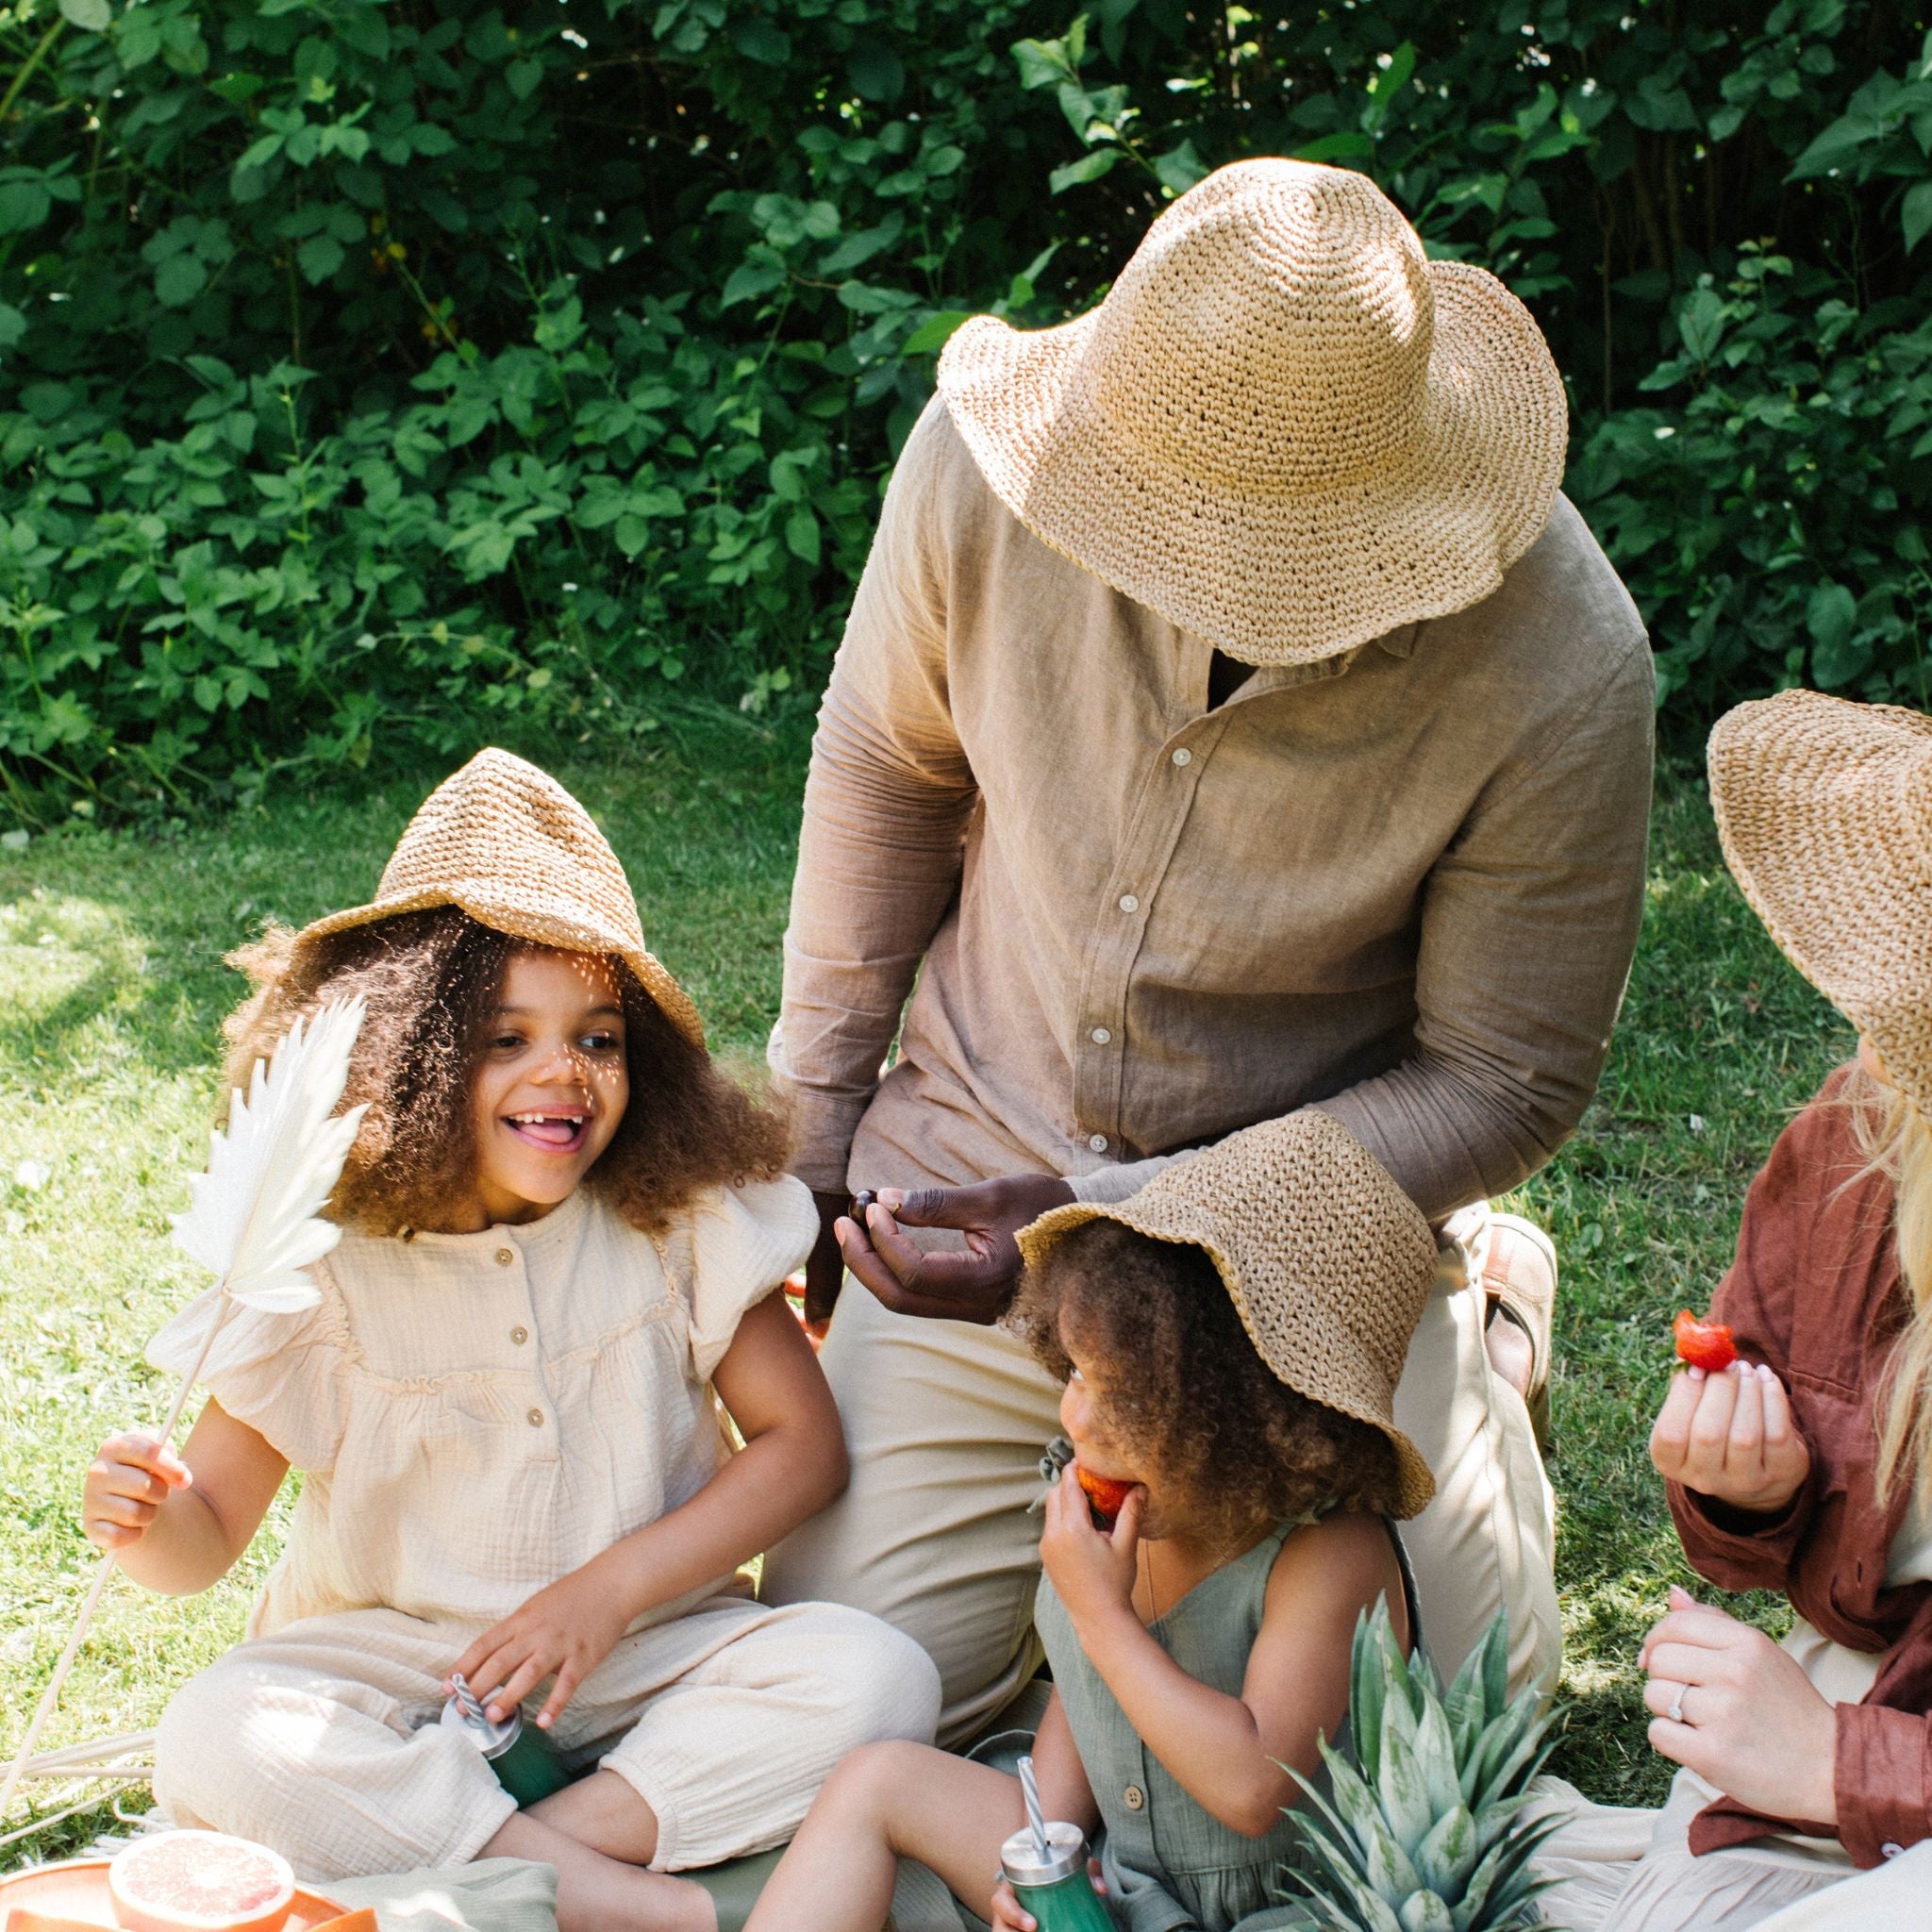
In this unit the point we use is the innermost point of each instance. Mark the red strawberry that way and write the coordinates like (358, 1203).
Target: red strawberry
(1106, 1494)
(1705, 1345)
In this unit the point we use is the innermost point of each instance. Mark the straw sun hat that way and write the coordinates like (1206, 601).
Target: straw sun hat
(1327, 1262)
(507, 843)
(1824, 808)
(1284, 429)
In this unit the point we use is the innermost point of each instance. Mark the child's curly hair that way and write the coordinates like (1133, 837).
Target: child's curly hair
(1186, 1389)
(431, 980)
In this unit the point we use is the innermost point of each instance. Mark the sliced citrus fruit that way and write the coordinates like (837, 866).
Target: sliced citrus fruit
(200, 1881)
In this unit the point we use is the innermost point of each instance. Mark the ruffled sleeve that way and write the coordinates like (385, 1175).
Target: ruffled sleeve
(287, 1376)
(745, 1241)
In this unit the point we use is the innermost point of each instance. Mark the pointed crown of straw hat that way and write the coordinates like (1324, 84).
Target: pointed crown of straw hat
(1825, 810)
(1284, 429)
(1329, 1264)
(505, 843)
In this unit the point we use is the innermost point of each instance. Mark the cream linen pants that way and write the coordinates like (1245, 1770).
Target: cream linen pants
(947, 1421)
(321, 1739)
(1628, 1870)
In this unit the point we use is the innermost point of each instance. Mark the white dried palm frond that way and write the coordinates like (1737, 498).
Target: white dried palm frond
(253, 1222)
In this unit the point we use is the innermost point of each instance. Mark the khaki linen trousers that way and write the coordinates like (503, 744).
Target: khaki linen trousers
(947, 1421)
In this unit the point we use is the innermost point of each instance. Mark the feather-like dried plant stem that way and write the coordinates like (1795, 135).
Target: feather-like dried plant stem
(51, 1695)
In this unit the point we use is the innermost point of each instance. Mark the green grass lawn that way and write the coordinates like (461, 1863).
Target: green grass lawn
(112, 986)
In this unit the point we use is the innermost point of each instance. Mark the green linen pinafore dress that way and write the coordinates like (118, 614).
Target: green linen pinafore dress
(1169, 1865)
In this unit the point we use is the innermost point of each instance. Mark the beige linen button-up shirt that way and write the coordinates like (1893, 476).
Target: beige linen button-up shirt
(1403, 883)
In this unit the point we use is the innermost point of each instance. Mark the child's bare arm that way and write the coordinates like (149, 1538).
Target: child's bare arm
(1222, 1750)
(175, 1531)
(792, 1464)
(1064, 1790)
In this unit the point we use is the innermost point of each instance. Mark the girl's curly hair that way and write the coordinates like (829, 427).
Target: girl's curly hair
(431, 980)
(1186, 1389)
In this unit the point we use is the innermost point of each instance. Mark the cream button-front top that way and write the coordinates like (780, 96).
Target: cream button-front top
(1133, 1797)
(505, 1257)
(536, 1418)
(520, 1336)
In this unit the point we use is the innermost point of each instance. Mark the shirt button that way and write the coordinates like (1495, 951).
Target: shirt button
(1890, 1850)
(1098, 1143)
(520, 1336)
(1128, 902)
(536, 1418)
(1100, 1036)
(1184, 757)
(505, 1257)
(1134, 1797)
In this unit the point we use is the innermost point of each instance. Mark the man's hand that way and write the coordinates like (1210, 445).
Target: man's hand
(1731, 1435)
(1748, 1719)
(825, 1271)
(972, 1286)
(568, 1629)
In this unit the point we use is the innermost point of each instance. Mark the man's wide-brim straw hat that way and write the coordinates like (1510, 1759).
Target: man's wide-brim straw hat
(1824, 808)
(508, 846)
(1329, 1264)
(1285, 429)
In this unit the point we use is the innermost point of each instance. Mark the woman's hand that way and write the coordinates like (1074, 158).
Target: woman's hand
(127, 1484)
(1738, 1711)
(973, 1287)
(1092, 1571)
(1731, 1435)
(569, 1628)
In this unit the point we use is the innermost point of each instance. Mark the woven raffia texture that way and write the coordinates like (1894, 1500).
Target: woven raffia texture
(1284, 429)
(508, 845)
(1824, 808)
(1328, 1261)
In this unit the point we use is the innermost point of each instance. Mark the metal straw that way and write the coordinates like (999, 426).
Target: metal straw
(466, 1699)
(1036, 1818)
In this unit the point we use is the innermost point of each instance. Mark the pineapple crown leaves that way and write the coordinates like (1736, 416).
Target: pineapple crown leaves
(253, 1217)
(1422, 1831)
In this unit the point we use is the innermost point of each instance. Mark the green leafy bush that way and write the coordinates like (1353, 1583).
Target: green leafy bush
(375, 379)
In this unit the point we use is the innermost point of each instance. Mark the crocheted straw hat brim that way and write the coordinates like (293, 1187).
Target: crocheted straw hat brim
(1329, 1263)
(1337, 481)
(505, 843)
(1825, 810)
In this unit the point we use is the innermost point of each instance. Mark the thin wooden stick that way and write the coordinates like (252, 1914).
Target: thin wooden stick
(51, 1695)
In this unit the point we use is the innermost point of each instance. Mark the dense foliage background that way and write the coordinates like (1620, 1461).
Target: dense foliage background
(377, 378)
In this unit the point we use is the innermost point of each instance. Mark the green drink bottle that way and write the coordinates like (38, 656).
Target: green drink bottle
(1045, 1863)
(524, 1759)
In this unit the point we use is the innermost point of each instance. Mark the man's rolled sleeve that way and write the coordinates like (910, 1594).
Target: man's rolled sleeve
(1882, 1779)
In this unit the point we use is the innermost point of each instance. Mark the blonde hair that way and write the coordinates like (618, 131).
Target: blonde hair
(1896, 1140)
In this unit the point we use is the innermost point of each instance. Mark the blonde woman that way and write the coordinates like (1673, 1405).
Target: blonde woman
(1805, 1798)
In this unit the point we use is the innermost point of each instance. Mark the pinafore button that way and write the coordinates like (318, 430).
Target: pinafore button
(1134, 1797)
(505, 1257)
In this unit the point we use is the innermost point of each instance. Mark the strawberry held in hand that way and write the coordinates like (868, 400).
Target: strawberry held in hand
(1705, 1345)
(1107, 1495)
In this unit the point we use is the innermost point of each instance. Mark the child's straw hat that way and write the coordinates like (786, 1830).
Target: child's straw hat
(1284, 429)
(1329, 1262)
(1824, 808)
(507, 843)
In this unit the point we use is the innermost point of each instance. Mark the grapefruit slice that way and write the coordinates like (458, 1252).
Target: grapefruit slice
(200, 1881)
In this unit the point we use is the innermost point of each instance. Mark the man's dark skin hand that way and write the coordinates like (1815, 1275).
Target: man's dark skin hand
(976, 1286)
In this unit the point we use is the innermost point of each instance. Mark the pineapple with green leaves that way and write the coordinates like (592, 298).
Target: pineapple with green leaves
(1424, 1831)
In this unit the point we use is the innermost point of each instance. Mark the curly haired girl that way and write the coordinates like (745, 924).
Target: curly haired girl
(1230, 1339)
(565, 1236)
